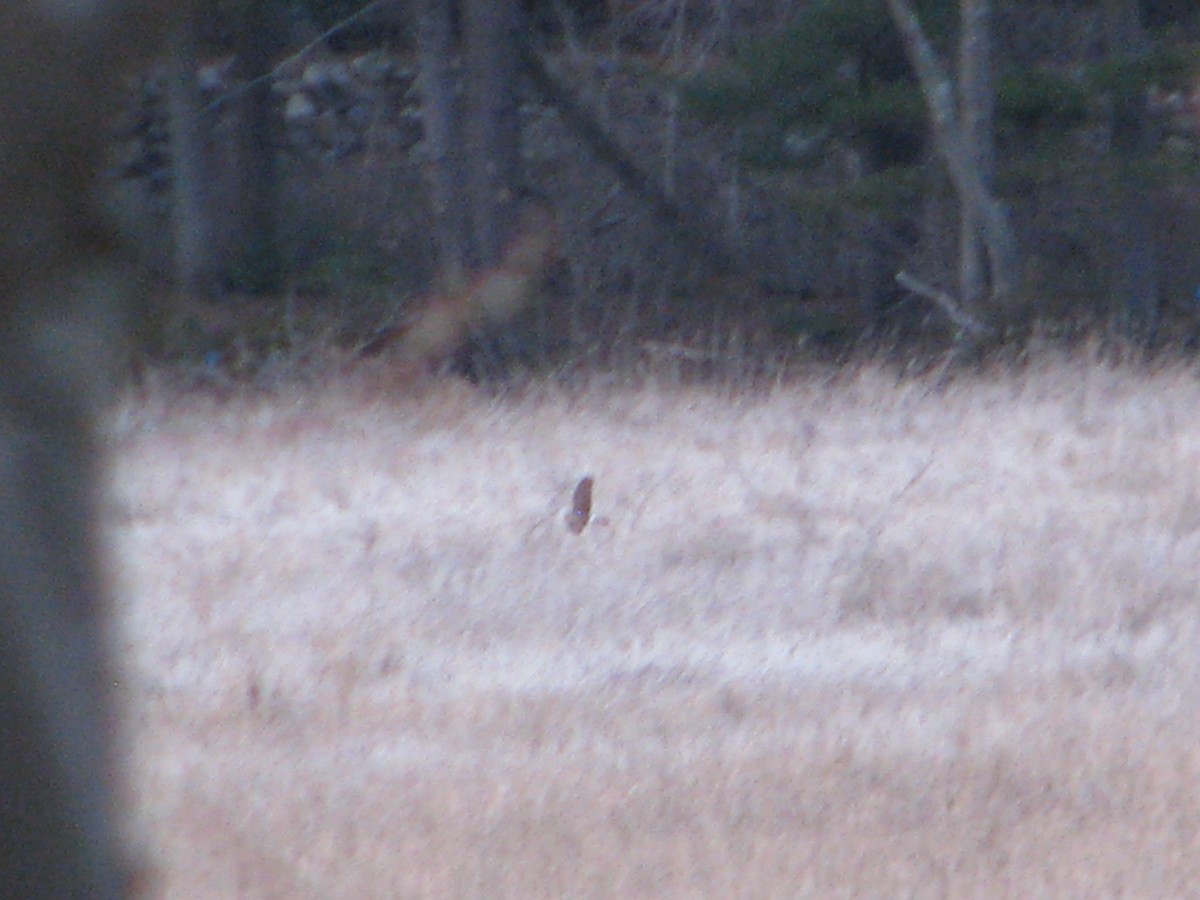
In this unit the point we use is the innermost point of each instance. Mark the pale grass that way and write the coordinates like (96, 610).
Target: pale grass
(849, 635)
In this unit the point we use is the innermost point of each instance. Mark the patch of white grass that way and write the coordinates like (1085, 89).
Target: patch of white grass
(952, 624)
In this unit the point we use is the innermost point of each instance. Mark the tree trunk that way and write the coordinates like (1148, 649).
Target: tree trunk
(976, 112)
(62, 292)
(443, 140)
(969, 181)
(195, 253)
(254, 220)
(491, 29)
(1136, 282)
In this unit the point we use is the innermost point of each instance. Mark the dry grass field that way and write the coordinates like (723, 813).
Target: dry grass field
(849, 635)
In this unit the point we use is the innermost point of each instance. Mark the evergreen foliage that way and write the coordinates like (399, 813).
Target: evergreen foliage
(839, 72)
(1031, 100)
(1168, 66)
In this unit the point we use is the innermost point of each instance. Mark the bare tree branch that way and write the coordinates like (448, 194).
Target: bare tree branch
(961, 319)
(299, 54)
(709, 248)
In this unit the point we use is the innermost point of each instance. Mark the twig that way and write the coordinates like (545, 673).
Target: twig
(945, 302)
(299, 54)
(912, 481)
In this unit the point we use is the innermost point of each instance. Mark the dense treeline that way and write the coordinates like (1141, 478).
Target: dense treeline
(772, 164)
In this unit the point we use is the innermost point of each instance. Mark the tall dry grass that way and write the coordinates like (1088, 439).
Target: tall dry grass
(847, 635)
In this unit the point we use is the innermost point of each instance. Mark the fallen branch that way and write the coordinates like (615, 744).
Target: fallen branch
(961, 319)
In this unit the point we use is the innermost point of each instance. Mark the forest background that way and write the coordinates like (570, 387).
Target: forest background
(727, 175)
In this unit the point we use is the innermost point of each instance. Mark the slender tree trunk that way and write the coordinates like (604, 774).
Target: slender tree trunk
(255, 222)
(193, 231)
(491, 29)
(443, 140)
(1136, 282)
(976, 112)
